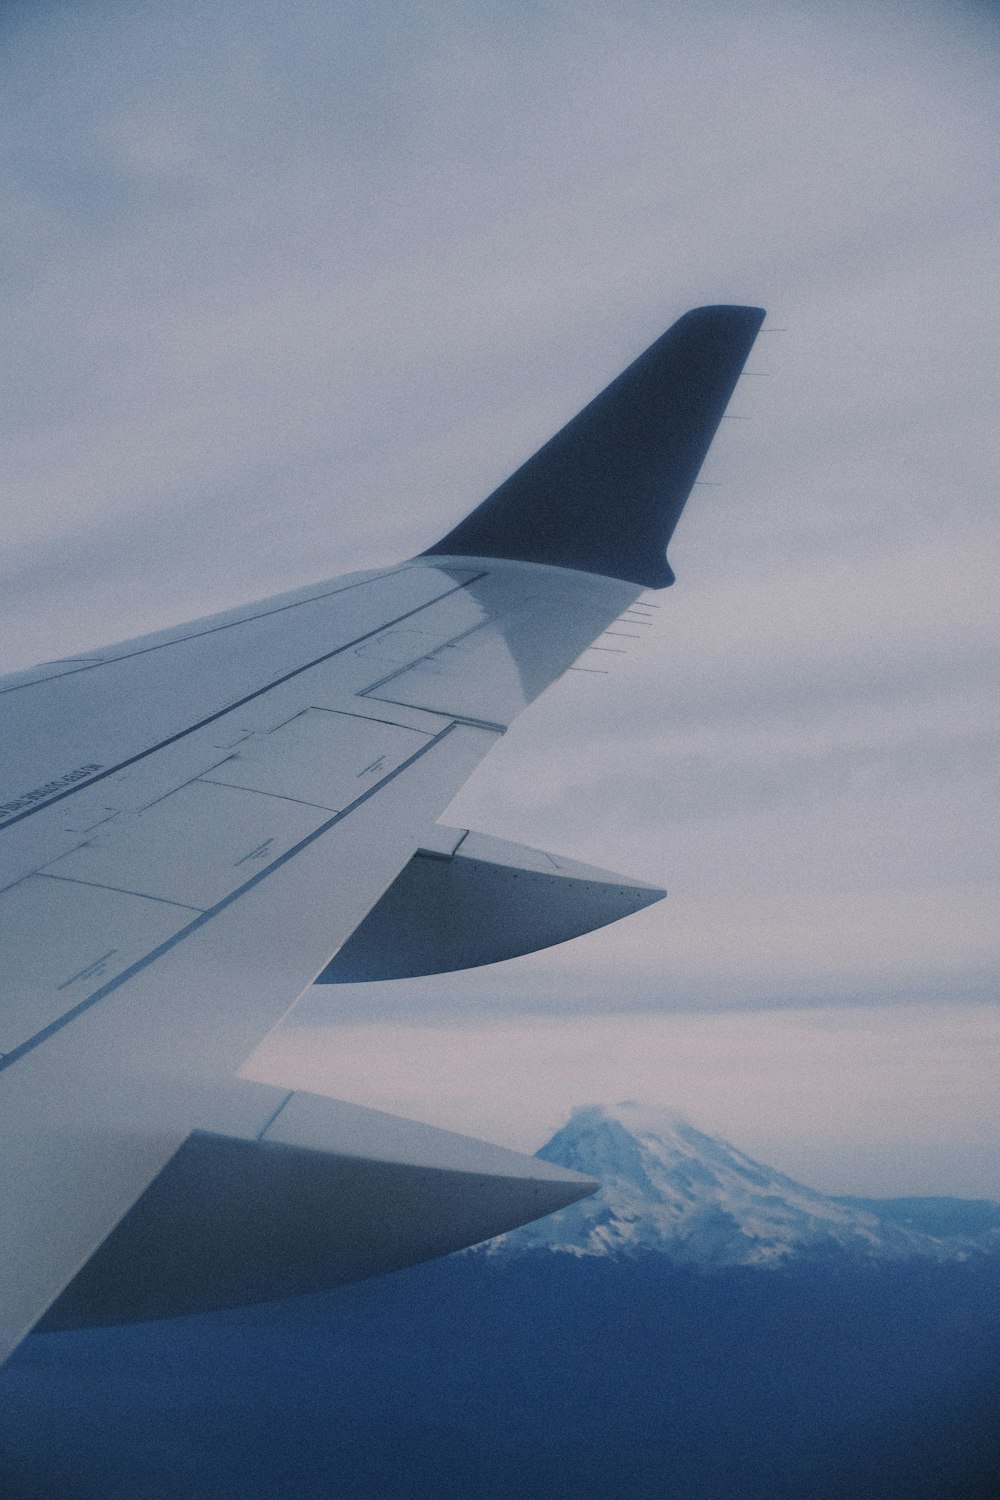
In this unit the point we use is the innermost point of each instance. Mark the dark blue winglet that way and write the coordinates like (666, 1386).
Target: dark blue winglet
(605, 494)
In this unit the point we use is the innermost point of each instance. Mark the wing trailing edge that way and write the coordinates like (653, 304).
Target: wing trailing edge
(604, 495)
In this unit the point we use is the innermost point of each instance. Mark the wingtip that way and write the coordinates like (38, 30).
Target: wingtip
(743, 311)
(604, 495)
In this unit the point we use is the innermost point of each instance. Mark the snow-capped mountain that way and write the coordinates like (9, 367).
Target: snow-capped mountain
(668, 1188)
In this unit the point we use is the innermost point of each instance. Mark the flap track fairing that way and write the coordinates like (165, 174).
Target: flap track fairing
(466, 899)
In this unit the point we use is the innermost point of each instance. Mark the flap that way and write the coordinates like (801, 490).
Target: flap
(327, 1193)
(465, 899)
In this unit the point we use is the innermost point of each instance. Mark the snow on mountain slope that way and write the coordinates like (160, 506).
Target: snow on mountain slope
(668, 1188)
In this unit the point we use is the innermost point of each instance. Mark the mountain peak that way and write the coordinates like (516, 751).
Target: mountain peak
(668, 1188)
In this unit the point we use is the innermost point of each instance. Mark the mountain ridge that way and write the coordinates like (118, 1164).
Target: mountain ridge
(669, 1189)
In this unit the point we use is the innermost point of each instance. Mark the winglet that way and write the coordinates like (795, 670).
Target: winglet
(605, 494)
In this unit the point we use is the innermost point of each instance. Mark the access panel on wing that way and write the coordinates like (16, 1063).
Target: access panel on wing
(495, 670)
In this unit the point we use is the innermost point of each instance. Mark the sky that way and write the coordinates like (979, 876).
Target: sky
(289, 290)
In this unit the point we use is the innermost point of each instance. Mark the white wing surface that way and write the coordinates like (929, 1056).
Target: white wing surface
(195, 823)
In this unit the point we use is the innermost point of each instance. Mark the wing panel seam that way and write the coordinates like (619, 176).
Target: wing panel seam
(240, 702)
(122, 890)
(108, 661)
(7, 1059)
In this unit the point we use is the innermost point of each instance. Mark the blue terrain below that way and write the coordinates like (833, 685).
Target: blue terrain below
(580, 1371)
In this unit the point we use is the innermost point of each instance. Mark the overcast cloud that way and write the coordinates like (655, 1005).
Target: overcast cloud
(287, 291)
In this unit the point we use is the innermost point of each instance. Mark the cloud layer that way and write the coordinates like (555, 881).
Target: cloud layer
(288, 291)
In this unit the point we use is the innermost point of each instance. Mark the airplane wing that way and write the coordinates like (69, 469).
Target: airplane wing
(196, 825)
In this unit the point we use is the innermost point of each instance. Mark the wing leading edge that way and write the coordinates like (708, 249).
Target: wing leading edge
(193, 824)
